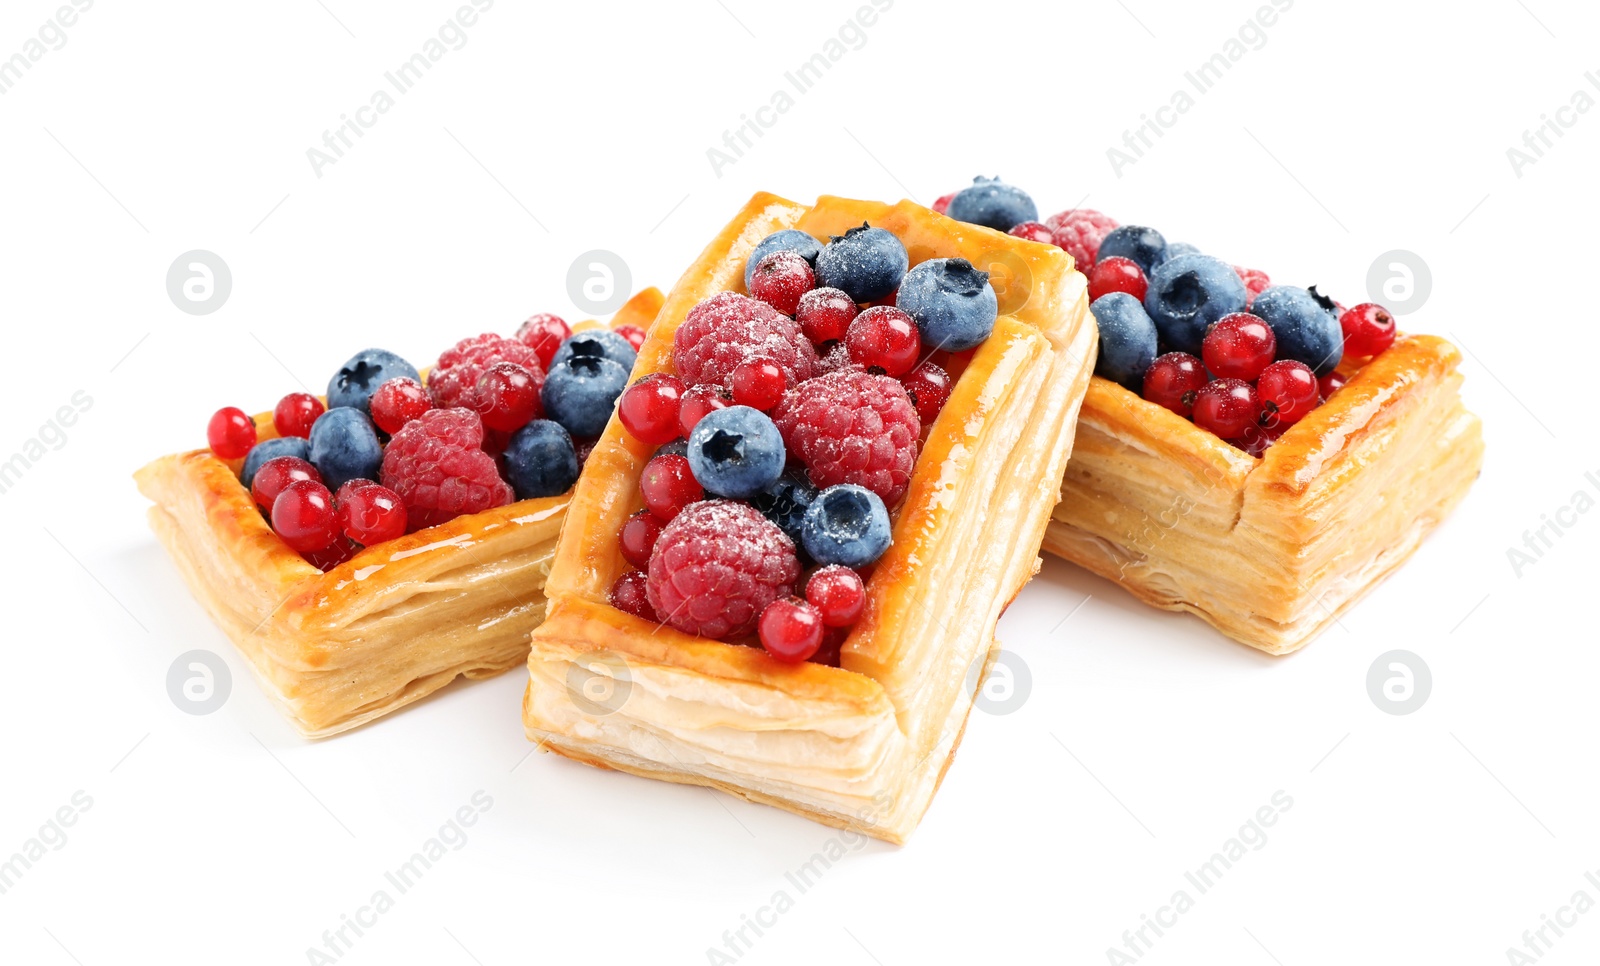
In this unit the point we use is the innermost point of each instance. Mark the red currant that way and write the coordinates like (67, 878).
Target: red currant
(1257, 439)
(638, 537)
(668, 486)
(1117, 274)
(1288, 390)
(1368, 329)
(369, 513)
(1227, 407)
(628, 596)
(1331, 383)
(649, 408)
(780, 278)
(942, 203)
(697, 401)
(294, 414)
(507, 396)
(886, 337)
(276, 474)
(303, 516)
(633, 334)
(790, 630)
(331, 556)
(544, 332)
(838, 595)
(1172, 381)
(399, 401)
(231, 433)
(759, 384)
(1033, 231)
(1238, 346)
(833, 639)
(929, 387)
(825, 313)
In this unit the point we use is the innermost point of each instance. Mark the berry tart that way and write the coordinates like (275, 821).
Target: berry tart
(1254, 454)
(364, 548)
(787, 553)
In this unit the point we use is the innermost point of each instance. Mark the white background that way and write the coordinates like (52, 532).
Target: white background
(1146, 741)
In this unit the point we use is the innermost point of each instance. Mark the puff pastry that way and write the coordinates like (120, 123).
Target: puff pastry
(1270, 550)
(864, 745)
(395, 623)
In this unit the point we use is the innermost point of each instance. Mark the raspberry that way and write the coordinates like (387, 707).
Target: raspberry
(437, 464)
(729, 328)
(1255, 282)
(454, 380)
(1080, 231)
(852, 427)
(717, 566)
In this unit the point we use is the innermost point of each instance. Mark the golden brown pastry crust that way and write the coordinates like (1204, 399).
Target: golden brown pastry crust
(395, 623)
(1271, 550)
(864, 745)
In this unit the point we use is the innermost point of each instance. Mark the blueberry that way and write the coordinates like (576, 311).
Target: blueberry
(356, 381)
(867, 263)
(1144, 245)
(344, 447)
(540, 460)
(1189, 293)
(597, 342)
(994, 204)
(580, 392)
(787, 240)
(951, 302)
(1175, 249)
(678, 447)
(268, 449)
(846, 524)
(785, 503)
(1127, 339)
(736, 452)
(1305, 325)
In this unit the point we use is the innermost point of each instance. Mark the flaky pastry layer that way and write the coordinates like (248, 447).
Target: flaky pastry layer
(397, 622)
(1270, 551)
(864, 745)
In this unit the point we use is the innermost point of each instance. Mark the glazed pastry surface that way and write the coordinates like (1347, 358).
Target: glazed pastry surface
(1271, 550)
(397, 622)
(864, 745)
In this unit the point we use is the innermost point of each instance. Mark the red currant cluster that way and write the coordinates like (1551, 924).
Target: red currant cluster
(1238, 391)
(405, 455)
(804, 357)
